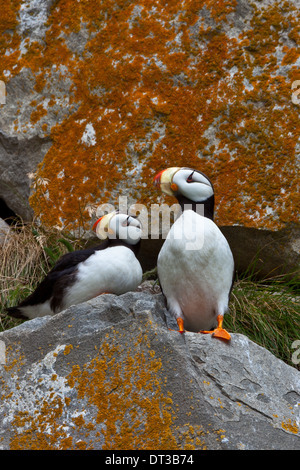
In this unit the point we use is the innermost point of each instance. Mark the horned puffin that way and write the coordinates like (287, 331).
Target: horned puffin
(111, 267)
(195, 265)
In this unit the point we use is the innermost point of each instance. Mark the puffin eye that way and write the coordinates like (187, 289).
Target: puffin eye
(190, 178)
(126, 222)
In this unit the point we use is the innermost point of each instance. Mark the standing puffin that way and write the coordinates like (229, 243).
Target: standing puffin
(110, 267)
(195, 265)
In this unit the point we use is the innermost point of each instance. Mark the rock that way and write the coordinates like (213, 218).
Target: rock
(110, 374)
(4, 231)
(98, 101)
(265, 253)
(19, 158)
(230, 70)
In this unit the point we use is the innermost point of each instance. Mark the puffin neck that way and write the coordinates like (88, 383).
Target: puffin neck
(205, 208)
(116, 242)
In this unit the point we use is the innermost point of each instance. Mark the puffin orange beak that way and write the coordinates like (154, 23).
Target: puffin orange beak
(157, 178)
(96, 223)
(164, 179)
(101, 226)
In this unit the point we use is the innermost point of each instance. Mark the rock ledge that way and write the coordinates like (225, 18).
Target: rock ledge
(112, 374)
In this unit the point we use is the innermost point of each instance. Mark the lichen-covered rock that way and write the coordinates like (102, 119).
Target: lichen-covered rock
(110, 374)
(101, 95)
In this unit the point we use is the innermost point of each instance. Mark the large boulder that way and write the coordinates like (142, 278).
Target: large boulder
(112, 373)
(266, 253)
(105, 95)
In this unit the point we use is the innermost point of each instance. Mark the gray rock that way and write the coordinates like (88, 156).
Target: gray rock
(110, 374)
(23, 145)
(24, 141)
(4, 231)
(19, 158)
(265, 253)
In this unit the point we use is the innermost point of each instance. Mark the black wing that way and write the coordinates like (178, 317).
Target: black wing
(61, 275)
(70, 260)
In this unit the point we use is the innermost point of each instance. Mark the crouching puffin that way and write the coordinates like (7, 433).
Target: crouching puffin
(195, 265)
(111, 267)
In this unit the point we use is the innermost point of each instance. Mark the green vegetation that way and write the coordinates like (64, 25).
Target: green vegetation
(267, 312)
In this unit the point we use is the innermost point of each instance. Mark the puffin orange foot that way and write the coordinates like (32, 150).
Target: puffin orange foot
(180, 325)
(219, 332)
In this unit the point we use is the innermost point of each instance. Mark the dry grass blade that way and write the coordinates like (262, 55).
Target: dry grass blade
(24, 263)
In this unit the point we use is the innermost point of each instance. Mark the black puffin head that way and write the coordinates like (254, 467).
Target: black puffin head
(122, 227)
(191, 188)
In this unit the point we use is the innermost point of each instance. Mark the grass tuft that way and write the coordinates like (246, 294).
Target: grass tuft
(27, 255)
(268, 313)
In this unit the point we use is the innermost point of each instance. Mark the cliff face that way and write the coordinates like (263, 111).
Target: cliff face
(110, 374)
(101, 95)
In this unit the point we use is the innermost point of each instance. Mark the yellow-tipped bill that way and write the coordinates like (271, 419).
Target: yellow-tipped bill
(101, 226)
(164, 179)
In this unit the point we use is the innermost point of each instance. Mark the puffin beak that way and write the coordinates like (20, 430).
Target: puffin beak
(157, 178)
(96, 223)
(164, 179)
(101, 226)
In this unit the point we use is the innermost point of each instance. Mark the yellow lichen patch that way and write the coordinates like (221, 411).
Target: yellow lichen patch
(128, 397)
(68, 349)
(36, 435)
(130, 407)
(290, 426)
(157, 84)
(193, 437)
(117, 400)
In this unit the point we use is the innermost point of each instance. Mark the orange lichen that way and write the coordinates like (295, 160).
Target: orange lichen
(161, 87)
(36, 435)
(68, 349)
(118, 400)
(38, 113)
(290, 426)
(9, 38)
(128, 397)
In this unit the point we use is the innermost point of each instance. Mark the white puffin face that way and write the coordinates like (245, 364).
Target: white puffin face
(187, 182)
(118, 226)
(127, 228)
(192, 184)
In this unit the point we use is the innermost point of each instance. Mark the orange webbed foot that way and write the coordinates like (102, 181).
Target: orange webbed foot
(180, 325)
(219, 332)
